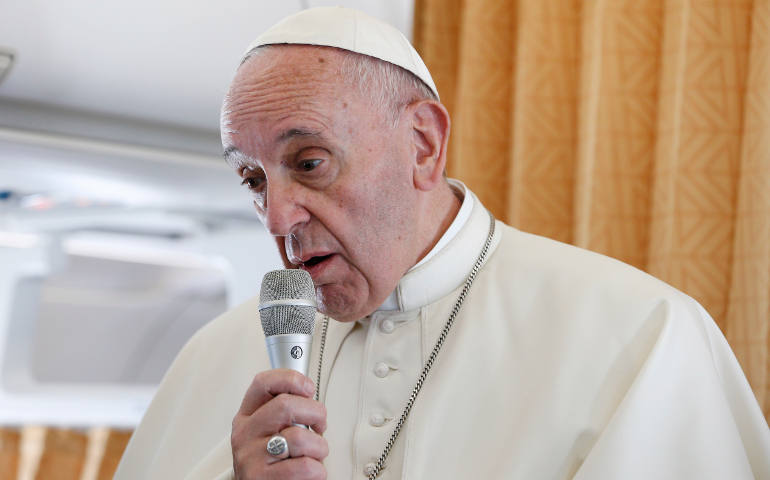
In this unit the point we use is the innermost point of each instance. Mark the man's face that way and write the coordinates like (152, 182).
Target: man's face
(332, 179)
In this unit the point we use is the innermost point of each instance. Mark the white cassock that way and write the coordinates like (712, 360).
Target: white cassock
(561, 364)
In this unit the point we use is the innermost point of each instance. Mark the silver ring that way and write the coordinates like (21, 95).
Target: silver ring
(277, 446)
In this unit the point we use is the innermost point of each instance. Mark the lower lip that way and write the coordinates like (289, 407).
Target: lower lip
(318, 268)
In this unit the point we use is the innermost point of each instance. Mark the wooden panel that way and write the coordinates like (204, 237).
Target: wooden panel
(113, 450)
(9, 452)
(63, 456)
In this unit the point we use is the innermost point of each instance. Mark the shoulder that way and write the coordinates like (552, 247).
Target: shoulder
(552, 293)
(566, 290)
(224, 355)
(240, 324)
(545, 262)
(210, 374)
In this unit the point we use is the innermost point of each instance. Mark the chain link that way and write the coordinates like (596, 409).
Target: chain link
(321, 357)
(380, 465)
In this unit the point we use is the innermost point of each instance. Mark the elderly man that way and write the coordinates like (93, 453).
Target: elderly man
(458, 347)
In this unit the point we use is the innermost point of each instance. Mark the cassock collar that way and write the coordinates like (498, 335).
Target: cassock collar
(447, 265)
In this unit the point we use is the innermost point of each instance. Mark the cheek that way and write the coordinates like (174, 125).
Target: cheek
(378, 250)
(364, 217)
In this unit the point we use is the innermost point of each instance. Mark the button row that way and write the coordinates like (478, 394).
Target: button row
(381, 370)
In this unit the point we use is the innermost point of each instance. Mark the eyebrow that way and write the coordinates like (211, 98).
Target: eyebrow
(236, 158)
(229, 151)
(297, 132)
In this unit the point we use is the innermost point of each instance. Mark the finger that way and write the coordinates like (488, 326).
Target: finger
(271, 383)
(305, 443)
(284, 411)
(302, 468)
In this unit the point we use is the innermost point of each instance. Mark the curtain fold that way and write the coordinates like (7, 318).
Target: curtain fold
(638, 129)
(748, 308)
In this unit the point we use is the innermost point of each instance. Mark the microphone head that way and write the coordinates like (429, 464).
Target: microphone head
(287, 302)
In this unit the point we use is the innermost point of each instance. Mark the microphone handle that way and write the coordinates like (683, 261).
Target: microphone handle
(290, 351)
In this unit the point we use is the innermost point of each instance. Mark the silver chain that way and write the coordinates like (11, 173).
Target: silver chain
(321, 356)
(380, 465)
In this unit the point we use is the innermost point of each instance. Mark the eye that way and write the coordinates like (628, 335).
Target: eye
(253, 183)
(310, 164)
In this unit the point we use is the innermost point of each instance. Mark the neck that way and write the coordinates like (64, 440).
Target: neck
(441, 209)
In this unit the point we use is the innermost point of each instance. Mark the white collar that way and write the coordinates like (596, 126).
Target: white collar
(457, 223)
(446, 266)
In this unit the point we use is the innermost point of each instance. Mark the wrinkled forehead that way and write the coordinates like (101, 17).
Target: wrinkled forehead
(289, 66)
(287, 73)
(281, 81)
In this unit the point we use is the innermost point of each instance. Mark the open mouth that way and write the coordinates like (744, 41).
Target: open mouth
(313, 261)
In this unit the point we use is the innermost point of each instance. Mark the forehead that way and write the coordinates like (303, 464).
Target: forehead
(289, 65)
(284, 78)
(287, 87)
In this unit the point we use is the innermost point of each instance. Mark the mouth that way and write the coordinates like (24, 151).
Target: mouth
(315, 265)
(313, 261)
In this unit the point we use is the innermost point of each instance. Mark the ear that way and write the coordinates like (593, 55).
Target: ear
(430, 132)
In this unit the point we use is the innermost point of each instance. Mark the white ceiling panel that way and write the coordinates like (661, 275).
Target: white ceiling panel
(164, 61)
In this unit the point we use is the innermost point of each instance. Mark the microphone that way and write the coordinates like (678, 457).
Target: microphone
(287, 309)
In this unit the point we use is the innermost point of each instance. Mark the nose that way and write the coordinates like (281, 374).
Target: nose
(283, 207)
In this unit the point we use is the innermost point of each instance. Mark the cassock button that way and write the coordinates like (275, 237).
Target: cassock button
(369, 469)
(381, 370)
(377, 420)
(387, 326)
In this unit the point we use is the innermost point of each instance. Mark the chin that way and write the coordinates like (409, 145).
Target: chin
(339, 314)
(339, 306)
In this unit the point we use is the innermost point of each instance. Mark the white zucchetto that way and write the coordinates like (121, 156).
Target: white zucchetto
(350, 30)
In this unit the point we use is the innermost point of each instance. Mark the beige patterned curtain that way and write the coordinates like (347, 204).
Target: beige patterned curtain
(636, 128)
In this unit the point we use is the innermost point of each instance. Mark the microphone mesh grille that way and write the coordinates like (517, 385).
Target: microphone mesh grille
(285, 319)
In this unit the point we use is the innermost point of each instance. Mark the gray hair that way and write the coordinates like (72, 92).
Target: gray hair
(390, 87)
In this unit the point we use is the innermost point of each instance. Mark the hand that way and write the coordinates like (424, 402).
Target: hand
(275, 401)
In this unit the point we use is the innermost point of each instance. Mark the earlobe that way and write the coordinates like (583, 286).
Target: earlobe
(430, 124)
